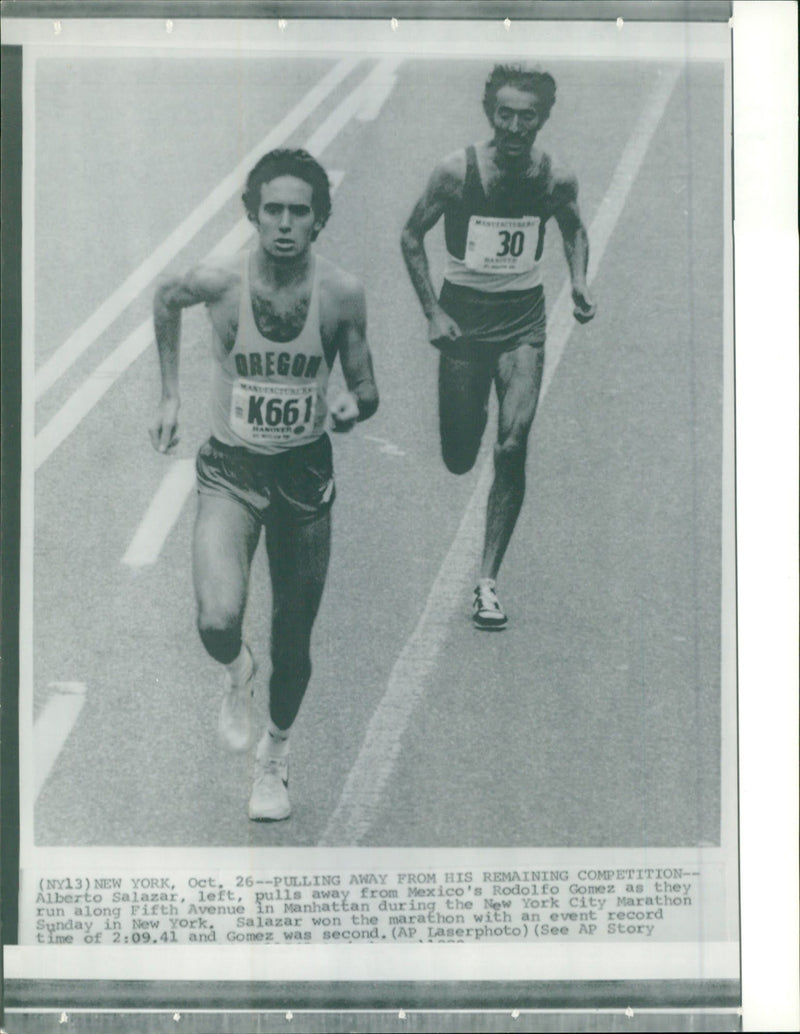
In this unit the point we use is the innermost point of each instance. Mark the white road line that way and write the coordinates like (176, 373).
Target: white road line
(383, 83)
(372, 105)
(53, 726)
(349, 107)
(387, 447)
(162, 513)
(64, 422)
(361, 795)
(234, 240)
(610, 210)
(102, 318)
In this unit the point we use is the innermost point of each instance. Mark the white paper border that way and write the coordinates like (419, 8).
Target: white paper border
(765, 169)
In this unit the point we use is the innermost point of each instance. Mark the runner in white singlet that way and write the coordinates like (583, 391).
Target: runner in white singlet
(280, 314)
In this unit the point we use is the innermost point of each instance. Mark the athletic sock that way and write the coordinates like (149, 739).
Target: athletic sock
(240, 669)
(489, 583)
(277, 741)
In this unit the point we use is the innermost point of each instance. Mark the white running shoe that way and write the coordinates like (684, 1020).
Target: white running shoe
(487, 613)
(236, 712)
(269, 800)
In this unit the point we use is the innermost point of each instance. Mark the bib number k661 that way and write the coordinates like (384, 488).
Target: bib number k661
(273, 413)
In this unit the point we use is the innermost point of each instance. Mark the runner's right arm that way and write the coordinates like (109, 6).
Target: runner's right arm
(173, 294)
(445, 183)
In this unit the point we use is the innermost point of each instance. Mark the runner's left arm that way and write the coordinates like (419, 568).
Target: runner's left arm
(360, 401)
(576, 246)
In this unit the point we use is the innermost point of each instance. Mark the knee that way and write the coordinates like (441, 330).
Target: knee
(220, 629)
(459, 461)
(461, 443)
(291, 658)
(510, 452)
(460, 451)
(216, 617)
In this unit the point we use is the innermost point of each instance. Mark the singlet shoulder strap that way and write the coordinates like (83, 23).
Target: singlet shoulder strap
(473, 187)
(472, 202)
(246, 318)
(312, 320)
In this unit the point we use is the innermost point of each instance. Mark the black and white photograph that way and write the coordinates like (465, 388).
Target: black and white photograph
(378, 507)
(359, 634)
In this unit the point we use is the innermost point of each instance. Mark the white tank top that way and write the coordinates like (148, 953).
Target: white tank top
(269, 396)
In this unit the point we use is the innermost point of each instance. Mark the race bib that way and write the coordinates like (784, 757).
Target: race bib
(496, 245)
(273, 414)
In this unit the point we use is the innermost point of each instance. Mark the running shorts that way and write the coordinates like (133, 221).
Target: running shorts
(493, 322)
(298, 482)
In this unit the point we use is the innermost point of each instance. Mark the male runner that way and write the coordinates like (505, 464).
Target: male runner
(280, 314)
(489, 320)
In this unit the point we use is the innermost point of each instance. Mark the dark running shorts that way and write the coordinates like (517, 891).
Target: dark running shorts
(493, 322)
(298, 482)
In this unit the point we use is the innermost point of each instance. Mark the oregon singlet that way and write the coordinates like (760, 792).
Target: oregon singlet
(269, 396)
(495, 245)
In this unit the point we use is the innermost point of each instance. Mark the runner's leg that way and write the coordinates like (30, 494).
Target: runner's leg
(225, 538)
(298, 563)
(463, 407)
(518, 379)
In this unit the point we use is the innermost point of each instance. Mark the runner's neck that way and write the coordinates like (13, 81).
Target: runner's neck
(266, 272)
(504, 165)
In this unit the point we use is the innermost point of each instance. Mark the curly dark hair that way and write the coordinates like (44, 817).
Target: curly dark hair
(534, 80)
(287, 162)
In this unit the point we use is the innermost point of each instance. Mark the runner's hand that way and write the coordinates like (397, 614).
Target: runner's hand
(344, 411)
(441, 328)
(164, 431)
(585, 307)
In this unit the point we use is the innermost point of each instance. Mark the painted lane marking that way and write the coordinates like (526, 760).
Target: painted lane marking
(346, 110)
(361, 795)
(64, 422)
(383, 83)
(613, 203)
(234, 240)
(162, 513)
(102, 318)
(373, 104)
(385, 446)
(335, 176)
(53, 726)
(176, 486)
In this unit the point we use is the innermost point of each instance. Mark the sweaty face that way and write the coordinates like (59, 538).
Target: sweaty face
(516, 120)
(285, 219)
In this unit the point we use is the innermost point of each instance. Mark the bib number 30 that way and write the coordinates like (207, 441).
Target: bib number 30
(496, 245)
(511, 243)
